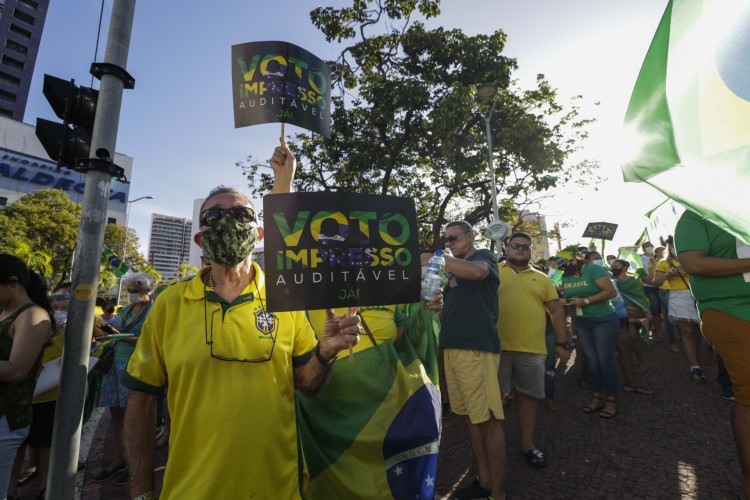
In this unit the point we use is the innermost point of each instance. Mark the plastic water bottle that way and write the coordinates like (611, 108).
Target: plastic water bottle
(433, 277)
(446, 275)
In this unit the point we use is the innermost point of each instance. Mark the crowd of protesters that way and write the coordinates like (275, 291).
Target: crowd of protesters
(504, 326)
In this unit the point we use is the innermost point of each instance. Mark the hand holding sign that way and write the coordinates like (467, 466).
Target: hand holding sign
(341, 331)
(352, 312)
(284, 165)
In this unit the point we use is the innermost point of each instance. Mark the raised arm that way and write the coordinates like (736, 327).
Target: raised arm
(284, 166)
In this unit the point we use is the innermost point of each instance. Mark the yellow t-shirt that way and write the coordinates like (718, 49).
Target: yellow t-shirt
(234, 432)
(383, 322)
(522, 321)
(674, 281)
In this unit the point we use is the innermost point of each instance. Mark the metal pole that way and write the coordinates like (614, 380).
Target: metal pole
(69, 411)
(492, 170)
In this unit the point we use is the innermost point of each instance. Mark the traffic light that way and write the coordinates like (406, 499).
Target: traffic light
(71, 140)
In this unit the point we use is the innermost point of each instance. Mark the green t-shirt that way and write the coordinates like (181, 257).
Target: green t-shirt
(728, 294)
(469, 319)
(584, 286)
(632, 293)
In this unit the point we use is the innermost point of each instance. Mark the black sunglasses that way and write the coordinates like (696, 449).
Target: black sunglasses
(453, 238)
(520, 246)
(213, 215)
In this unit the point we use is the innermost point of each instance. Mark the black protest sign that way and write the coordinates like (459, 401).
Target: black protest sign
(280, 82)
(600, 230)
(340, 249)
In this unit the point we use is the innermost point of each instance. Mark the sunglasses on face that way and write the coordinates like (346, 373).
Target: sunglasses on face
(60, 296)
(213, 215)
(520, 246)
(452, 238)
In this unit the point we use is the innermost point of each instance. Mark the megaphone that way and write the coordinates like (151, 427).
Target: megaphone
(496, 230)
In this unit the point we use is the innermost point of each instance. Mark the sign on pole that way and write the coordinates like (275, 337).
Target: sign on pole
(280, 82)
(601, 230)
(340, 249)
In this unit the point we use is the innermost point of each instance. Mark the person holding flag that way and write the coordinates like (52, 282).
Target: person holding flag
(719, 267)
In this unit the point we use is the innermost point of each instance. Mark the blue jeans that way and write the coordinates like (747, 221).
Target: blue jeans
(598, 337)
(10, 440)
(549, 365)
(664, 299)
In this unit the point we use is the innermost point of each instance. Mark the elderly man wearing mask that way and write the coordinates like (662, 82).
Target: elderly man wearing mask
(233, 367)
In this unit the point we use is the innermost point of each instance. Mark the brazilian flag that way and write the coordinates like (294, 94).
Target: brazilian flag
(117, 265)
(687, 126)
(373, 431)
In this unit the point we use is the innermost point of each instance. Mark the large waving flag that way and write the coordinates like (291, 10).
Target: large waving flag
(688, 122)
(373, 431)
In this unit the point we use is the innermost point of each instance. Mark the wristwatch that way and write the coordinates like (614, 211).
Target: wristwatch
(323, 361)
(565, 345)
(586, 301)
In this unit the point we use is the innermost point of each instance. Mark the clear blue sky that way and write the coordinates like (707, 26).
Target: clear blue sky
(178, 124)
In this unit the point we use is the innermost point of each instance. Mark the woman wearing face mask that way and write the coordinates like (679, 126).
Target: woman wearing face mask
(588, 290)
(25, 327)
(682, 309)
(114, 395)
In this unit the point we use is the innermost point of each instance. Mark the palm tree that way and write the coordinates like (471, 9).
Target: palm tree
(36, 260)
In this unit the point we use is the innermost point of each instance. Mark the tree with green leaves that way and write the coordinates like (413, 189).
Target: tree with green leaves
(46, 222)
(406, 120)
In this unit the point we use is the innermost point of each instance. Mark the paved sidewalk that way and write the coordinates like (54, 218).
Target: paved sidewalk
(674, 444)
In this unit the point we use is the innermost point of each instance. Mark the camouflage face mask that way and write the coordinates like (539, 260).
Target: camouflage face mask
(230, 241)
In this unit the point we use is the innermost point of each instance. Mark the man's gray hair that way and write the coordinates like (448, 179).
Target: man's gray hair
(224, 190)
(465, 226)
(144, 282)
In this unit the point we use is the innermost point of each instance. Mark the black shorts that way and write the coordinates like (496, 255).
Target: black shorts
(40, 433)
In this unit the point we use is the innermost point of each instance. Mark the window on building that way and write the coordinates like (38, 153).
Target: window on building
(5, 112)
(111, 220)
(12, 80)
(22, 16)
(7, 96)
(3, 201)
(21, 49)
(13, 63)
(29, 3)
(17, 30)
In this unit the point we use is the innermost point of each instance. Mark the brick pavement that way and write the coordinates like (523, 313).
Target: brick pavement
(674, 444)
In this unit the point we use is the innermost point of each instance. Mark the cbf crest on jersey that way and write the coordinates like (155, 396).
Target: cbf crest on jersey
(266, 322)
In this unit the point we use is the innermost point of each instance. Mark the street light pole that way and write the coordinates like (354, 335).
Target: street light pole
(125, 239)
(497, 229)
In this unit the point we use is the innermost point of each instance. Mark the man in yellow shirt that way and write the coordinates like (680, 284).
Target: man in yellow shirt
(232, 366)
(525, 297)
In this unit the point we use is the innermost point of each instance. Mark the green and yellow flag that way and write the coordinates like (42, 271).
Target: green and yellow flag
(688, 121)
(643, 238)
(633, 258)
(373, 430)
(119, 268)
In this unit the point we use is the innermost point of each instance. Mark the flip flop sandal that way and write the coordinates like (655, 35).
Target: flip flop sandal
(609, 414)
(536, 459)
(592, 409)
